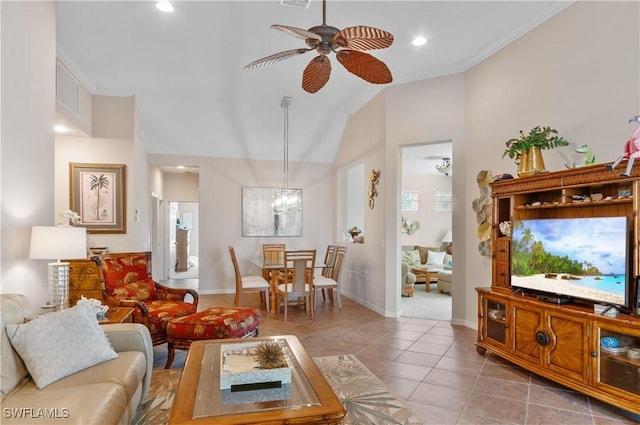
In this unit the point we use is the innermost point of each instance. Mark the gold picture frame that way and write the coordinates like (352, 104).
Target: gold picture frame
(97, 194)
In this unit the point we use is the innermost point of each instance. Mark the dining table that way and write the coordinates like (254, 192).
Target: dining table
(272, 278)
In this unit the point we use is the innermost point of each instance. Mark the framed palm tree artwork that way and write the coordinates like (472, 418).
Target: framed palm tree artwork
(97, 195)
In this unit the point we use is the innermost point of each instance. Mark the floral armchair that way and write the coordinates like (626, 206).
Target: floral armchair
(126, 281)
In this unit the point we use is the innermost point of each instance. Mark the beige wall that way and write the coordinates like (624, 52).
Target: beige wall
(433, 224)
(579, 72)
(363, 141)
(124, 149)
(220, 196)
(420, 112)
(181, 187)
(28, 111)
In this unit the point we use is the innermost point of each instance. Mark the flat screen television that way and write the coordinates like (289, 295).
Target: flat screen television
(585, 258)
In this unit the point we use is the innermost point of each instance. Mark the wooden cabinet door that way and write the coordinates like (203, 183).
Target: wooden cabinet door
(527, 323)
(502, 263)
(568, 351)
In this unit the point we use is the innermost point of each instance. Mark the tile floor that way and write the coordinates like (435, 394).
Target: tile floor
(432, 365)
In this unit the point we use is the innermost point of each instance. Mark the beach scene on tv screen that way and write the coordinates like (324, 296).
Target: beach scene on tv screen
(579, 257)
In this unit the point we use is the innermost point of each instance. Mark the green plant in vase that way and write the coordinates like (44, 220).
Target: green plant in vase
(526, 149)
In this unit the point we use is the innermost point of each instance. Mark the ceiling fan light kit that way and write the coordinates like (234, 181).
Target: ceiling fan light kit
(296, 3)
(347, 44)
(446, 166)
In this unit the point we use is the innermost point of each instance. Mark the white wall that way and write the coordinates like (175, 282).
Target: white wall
(27, 145)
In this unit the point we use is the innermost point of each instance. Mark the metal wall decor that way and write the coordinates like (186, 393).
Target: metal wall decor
(374, 179)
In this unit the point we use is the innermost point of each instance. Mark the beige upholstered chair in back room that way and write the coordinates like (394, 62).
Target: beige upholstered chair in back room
(332, 280)
(251, 283)
(295, 280)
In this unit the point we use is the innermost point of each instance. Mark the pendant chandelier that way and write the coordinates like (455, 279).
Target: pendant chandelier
(285, 200)
(445, 167)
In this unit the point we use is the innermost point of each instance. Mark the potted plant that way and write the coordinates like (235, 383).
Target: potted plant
(526, 149)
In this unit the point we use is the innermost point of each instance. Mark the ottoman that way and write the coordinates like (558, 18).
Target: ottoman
(219, 322)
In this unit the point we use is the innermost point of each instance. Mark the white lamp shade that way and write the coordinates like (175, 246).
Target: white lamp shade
(448, 238)
(57, 242)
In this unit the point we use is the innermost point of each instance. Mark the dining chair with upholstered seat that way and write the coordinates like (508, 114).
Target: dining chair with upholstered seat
(295, 280)
(248, 283)
(327, 264)
(331, 280)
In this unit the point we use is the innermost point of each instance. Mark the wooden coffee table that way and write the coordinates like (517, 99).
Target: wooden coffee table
(430, 276)
(309, 398)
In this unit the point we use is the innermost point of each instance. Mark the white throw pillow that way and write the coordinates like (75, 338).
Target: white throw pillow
(58, 344)
(435, 257)
(411, 257)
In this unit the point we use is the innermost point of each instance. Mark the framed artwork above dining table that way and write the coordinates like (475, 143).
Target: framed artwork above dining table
(264, 215)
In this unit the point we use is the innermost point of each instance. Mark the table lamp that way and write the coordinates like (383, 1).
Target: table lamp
(447, 240)
(56, 242)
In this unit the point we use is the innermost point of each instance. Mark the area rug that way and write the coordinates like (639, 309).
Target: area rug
(366, 398)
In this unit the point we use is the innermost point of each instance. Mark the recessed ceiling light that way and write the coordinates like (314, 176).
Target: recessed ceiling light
(59, 128)
(180, 167)
(419, 41)
(164, 6)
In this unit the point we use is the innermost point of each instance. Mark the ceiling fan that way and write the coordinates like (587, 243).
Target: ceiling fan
(347, 44)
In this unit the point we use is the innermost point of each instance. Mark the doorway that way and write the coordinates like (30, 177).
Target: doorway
(183, 229)
(426, 219)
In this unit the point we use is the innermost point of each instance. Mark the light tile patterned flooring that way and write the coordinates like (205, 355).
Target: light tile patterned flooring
(430, 364)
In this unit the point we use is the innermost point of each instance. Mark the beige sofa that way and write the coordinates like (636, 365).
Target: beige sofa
(426, 258)
(106, 393)
(444, 281)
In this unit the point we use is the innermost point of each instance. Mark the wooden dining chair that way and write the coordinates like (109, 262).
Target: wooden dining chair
(327, 264)
(250, 283)
(332, 280)
(272, 253)
(295, 280)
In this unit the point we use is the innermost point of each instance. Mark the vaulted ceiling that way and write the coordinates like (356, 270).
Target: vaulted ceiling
(193, 96)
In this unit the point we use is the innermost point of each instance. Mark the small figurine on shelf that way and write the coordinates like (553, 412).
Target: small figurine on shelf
(354, 232)
(631, 150)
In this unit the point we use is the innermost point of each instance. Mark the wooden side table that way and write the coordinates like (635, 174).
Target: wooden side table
(118, 315)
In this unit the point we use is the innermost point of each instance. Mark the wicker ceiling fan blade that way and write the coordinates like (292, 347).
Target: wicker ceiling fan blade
(316, 74)
(297, 32)
(276, 57)
(365, 66)
(362, 37)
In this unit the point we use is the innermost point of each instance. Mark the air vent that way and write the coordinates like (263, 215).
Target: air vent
(296, 3)
(67, 89)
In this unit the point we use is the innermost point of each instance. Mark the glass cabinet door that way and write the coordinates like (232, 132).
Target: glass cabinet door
(496, 321)
(618, 360)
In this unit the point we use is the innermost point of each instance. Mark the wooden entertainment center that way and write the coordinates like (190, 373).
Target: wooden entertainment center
(562, 342)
